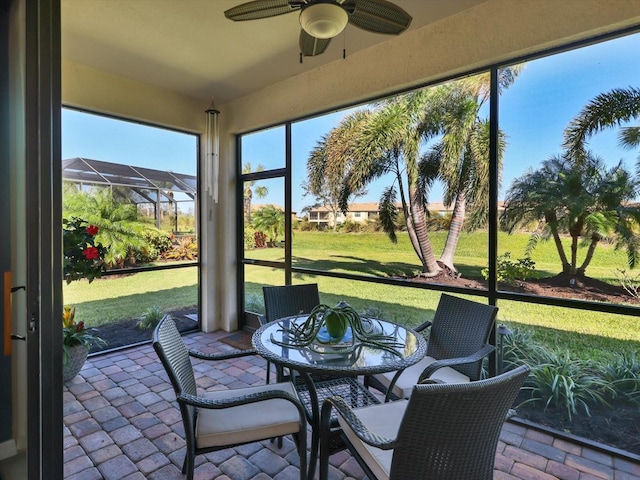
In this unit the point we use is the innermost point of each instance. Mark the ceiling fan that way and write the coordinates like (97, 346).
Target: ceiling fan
(321, 20)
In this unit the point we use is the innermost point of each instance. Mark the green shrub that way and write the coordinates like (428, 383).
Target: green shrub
(520, 347)
(158, 239)
(254, 302)
(436, 222)
(623, 374)
(510, 271)
(249, 237)
(150, 317)
(349, 226)
(156, 242)
(566, 385)
(305, 225)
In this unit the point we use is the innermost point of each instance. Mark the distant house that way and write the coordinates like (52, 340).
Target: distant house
(360, 213)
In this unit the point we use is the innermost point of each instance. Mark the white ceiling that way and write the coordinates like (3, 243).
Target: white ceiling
(188, 46)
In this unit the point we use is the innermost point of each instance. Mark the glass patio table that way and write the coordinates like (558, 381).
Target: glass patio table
(322, 375)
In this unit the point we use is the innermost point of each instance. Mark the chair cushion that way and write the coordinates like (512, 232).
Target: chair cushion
(247, 423)
(410, 376)
(383, 420)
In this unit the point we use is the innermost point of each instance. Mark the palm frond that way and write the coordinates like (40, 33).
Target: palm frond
(605, 110)
(388, 212)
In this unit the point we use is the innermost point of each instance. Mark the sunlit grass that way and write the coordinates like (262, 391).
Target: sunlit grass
(113, 299)
(584, 333)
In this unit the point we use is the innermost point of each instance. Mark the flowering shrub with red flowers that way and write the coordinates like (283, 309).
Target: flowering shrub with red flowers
(83, 256)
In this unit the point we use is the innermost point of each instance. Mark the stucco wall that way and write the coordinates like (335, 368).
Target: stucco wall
(91, 89)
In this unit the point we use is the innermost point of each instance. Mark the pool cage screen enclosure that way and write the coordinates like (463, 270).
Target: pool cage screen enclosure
(142, 186)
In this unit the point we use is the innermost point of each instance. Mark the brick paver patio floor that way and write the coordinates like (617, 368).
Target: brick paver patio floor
(122, 423)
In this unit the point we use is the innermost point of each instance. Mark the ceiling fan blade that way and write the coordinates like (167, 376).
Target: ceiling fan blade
(312, 46)
(260, 9)
(378, 16)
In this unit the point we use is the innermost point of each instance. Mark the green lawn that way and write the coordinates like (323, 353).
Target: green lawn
(112, 299)
(586, 334)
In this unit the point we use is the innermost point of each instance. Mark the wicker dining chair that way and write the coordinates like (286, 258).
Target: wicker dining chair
(443, 432)
(286, 301)
(458, 343)
(225, 418)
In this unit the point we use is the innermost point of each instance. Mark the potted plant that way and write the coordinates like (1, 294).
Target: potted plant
(76, 343)
(83, 259)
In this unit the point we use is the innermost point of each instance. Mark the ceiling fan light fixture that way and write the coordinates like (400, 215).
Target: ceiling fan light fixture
(323, 20)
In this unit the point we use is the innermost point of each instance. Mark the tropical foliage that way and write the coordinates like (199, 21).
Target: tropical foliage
(269, 220)
(328, 164)
(151, 317)
(389, 138)
(606, 110)
(130, 238)
(250, 190)
(571, 387)
(582, 198)
(186, 248)
(83, 255)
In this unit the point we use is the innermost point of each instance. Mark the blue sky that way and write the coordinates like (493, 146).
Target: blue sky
(533, 113)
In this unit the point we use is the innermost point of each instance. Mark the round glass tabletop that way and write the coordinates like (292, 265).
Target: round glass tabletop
(272, 342)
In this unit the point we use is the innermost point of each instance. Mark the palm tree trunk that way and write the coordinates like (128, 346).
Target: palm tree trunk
(430, 267)
(455, 227)
(574, 254)
(566, 267)
(409, 220)
(334, 212)
(595, 238)
(247, 205)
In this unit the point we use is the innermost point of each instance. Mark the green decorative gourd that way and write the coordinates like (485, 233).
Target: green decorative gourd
(336, 321)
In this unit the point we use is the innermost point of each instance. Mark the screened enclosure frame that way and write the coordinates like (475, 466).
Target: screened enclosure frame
(492, 293)
(155, 187)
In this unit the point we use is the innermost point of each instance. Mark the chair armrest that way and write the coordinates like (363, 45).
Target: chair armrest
(202, 402)
(360, 429)
(449, 362)
(423, 326)
(222, 355)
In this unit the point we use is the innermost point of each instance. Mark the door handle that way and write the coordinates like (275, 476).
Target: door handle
(7, 291)
(7, 313)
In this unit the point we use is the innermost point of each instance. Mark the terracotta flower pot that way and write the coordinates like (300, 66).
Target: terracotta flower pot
(73, 361)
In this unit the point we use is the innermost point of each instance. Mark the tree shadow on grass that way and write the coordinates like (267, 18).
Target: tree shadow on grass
(354, 264)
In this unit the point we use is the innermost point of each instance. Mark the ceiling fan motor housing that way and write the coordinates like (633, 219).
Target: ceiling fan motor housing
(323, 20)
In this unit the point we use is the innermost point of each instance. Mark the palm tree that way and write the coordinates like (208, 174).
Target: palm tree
(250, 189)
(327, 166)
(387, 140)
(462, 155)
(269, 220)
(584, 199)
(606, 110)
